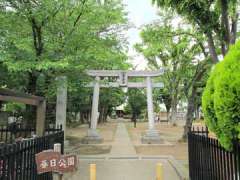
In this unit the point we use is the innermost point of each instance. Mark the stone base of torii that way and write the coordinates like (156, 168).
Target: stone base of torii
(152, 135)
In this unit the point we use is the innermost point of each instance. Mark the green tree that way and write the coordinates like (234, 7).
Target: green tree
(163, 96)
(182, 53)
(136, 102)
(109, 99)
(221, 102)
(41, 40)
(216, 19)
(163, 47)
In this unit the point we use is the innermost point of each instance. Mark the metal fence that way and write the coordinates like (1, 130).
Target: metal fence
(17, 161)
(13, 133)
(208, 160)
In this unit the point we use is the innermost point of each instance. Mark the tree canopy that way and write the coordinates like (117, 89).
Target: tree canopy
(182, 54)
(41, 40)
(216, 19)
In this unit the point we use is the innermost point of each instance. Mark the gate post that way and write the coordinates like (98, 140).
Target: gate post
(40, 123)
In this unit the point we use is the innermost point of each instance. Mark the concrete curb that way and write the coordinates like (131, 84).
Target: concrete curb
(179, 168)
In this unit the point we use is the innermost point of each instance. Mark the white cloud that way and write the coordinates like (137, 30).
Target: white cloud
(140, 12)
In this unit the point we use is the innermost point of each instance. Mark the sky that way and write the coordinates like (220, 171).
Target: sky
(140, 12)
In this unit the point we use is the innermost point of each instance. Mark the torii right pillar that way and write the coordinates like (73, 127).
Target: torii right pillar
(151, 136)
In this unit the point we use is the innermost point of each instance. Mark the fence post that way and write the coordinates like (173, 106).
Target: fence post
(93, 172)
(159, 171)
(57, 148)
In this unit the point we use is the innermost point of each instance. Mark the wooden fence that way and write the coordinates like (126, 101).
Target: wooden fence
(208, 160)
(17, 161)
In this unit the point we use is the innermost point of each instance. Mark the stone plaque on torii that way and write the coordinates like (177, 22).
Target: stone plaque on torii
(152, 135)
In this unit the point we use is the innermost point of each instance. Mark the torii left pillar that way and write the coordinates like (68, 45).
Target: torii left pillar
(92, 136)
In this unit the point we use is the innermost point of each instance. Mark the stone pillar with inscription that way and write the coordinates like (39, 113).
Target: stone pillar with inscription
(61, 105)
(151, 136)
(92, 136)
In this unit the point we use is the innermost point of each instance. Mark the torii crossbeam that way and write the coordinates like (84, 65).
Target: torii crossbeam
(151, 136)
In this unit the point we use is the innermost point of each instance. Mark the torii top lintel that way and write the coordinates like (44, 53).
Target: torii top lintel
(115, 73)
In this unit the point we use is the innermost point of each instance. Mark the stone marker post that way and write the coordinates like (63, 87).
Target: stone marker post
(61, 106)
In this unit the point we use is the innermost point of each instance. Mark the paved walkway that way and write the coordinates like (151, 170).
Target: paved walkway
(122, 145)
(122, 163)
(124, 170)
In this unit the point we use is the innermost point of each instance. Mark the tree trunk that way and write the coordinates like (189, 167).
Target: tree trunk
(190, 112)
(223, 48)
(82, 118)
(168, 106)
(174, 115)
(234, 29)
(197, 111)
(102, 115)
(88, 116)
(1, 105)
(212, 48)
(168, 110)
(30, 114)
(174, 109)
(191, 101)
(134, 118)
(225, 23)
(32, 84)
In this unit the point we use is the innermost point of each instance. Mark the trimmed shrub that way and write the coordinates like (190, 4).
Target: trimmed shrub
(221, 99)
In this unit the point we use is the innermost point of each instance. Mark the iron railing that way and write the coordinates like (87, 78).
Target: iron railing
(17, 160)
(208, 160)
(11, 134)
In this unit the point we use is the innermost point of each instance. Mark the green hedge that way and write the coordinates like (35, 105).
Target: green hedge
(221, 98)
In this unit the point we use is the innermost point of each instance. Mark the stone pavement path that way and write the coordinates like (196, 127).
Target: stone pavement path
(122, 145)
(122, 163)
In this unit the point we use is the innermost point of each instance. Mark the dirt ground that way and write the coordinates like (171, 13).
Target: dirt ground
(169, 134)
(76, 134)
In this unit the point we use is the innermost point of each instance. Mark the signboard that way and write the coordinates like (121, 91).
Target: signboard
(51, 161)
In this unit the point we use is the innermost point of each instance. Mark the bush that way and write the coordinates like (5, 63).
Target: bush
(221, 99)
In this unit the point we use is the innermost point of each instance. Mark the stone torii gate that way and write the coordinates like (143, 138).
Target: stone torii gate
(151, 135)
